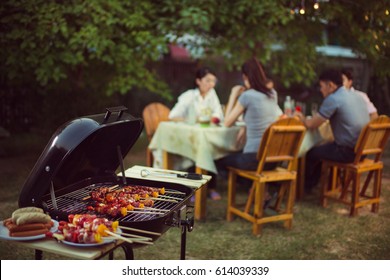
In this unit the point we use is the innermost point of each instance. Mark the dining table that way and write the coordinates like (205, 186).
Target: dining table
(205, 144)
(202, 144)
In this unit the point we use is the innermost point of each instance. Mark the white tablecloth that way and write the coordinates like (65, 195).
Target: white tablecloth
(314, 137)
(202, 145)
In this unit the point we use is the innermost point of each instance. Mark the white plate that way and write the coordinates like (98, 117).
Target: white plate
(106, 240)
(240, 124)
(4, 233)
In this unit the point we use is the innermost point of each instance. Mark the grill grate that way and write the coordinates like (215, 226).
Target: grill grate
(78, 200)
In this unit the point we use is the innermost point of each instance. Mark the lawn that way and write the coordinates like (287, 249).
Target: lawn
(317, 233)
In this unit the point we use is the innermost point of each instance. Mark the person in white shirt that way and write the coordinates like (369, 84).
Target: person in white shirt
(201, 101)
(197, 103)
(347, 83)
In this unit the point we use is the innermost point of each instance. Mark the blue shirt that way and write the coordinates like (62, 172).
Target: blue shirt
(347, 114)
(260, 112)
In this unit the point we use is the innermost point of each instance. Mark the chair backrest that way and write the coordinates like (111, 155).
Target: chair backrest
(153, 114)
(281, 142)
(373, 138)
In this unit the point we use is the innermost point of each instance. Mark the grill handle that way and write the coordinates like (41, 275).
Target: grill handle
(118, 109)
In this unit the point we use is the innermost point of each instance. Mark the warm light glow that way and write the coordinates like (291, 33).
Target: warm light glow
(366, 17)
(387, 12)
(302, 11)
(377, 47)
(316, 6)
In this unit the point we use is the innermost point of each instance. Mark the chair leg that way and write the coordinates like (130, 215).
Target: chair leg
(280, 197)
(345, 184)
(231, 195)
(290, 202)
(149, 158)
(251, 196)
(355, 195)
(377, 189)
(366, 183)
(324, 181)
(258, 208)
(301, 178)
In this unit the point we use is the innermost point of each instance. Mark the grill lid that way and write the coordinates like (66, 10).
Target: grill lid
(85, 147)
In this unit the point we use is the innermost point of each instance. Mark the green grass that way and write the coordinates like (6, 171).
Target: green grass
(317, 233)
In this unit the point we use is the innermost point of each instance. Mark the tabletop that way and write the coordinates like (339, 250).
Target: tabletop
(81, 253)
(135, 172)
(201, 144)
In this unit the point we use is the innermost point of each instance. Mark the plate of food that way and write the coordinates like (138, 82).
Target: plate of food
(93, 242)
(85, 230)
(27, 223)
(32, 231)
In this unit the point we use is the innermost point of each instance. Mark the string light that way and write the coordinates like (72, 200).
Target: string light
(302, 9)
(387, 12)
(316, 6)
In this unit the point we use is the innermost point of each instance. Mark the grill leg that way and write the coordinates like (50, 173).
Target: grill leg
(128, 251)
(183, 242)
(38, 254)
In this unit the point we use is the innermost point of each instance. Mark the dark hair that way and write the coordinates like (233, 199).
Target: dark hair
(347, 74)
(203, 71)
(256, 75)
(332, 75)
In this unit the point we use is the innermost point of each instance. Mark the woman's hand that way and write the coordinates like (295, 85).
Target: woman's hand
(237, 91)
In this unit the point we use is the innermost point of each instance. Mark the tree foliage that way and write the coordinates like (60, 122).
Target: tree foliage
(54, 41)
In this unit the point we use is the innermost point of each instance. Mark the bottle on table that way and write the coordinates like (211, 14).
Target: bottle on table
(288, 106)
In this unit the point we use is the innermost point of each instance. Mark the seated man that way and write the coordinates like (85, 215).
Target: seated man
(347, 82)
(347, 114)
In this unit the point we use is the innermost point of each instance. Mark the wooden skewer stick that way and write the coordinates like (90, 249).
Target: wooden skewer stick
(110, 188)
(174, 192)
(170, 197)
(140, 230)
(147, 212)
(118, 236)
(140, 237)
(129, 240)
(163, 199)
(156, 209)
(152, 209)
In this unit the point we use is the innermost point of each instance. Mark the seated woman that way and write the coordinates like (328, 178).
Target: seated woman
(257, 102)
(202, 101)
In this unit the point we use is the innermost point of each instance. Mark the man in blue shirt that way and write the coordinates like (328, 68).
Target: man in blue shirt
(347, 114)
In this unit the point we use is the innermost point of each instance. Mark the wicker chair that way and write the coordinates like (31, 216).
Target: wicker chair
(343, 184)
(280, 143)
(153, 114)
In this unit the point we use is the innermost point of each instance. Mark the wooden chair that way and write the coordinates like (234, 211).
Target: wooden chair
(368, 149)
(280, 143)
(153, 114)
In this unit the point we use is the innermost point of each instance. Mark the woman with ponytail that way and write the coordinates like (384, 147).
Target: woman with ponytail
(257, 103)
